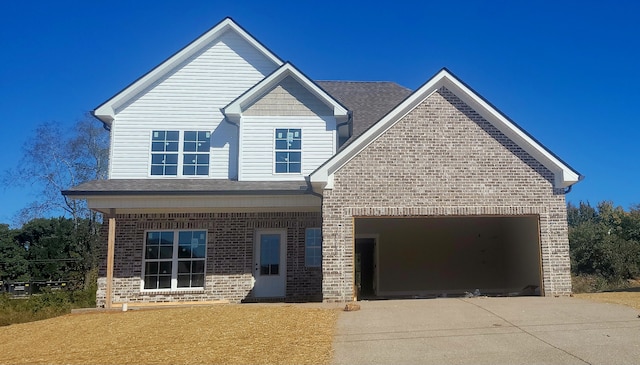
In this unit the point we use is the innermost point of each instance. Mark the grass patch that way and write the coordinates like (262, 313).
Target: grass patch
(42, 306)
(218, 334)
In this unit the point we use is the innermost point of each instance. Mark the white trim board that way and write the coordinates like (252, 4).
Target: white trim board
(565, 176)
(106, 111)
(233, 111)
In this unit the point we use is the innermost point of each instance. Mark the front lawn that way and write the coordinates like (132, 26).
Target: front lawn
(218, 334)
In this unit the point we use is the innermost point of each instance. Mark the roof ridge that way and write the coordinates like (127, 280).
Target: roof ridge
(355, 81)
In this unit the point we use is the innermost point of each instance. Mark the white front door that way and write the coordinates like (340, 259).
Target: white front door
(270, 269)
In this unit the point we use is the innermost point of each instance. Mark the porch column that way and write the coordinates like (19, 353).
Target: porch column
(111, 240)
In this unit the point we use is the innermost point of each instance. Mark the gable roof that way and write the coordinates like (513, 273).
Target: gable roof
(106, 111)
(368, 101)
(565, 176)
(235, 108)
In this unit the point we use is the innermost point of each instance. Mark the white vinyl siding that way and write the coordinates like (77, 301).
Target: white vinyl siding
(189, 98)
(258, 145)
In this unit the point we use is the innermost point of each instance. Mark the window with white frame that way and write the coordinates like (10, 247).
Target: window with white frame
(288, 151)
(196, 153)
(313, 247)
(164, 152)
(174, 259)
(176, 153)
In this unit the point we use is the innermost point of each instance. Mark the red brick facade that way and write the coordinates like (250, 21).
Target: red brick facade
(229, 259)
(442, 159)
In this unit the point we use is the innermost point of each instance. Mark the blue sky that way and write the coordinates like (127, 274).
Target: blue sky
(565, 71)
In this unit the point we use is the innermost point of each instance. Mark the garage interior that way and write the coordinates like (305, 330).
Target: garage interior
(447, 256)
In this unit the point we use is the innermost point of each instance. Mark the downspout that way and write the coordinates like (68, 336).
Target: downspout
(228, 120)
(349, 122)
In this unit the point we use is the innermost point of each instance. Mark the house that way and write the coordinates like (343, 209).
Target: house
(233, 176)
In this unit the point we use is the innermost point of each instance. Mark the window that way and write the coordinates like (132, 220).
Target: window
(168, 158)
(164, 152)
(313, 247)
(196, 153)
(288, 151)
(174, 259)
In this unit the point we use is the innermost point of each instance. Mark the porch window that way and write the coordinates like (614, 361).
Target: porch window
(288, 151)
(174, 260)
(177, 153)
(313, 247)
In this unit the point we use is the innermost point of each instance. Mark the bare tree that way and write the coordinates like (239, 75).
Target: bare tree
(56, 159)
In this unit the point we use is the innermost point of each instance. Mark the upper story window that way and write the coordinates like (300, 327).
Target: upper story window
(196, 153)
(185, 152)
(288, 151)
(164, 152)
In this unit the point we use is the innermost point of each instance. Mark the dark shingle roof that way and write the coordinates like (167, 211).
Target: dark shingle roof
(368, 101)
(186, 187)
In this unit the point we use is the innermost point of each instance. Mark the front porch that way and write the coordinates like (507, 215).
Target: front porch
(230, 266)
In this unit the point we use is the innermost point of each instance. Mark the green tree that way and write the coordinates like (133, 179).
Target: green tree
(13, 262)
(604, 240)
(58, 160)
(57, 249)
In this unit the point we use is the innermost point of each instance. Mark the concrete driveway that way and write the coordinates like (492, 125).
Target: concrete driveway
(524, 330)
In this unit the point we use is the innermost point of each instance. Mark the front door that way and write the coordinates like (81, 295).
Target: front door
(270, 271)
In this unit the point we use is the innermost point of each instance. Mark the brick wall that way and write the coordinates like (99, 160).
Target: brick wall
(230, 245)
(442, 159)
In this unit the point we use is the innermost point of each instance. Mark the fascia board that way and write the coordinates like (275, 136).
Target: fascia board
(106, 111)
(202, 201)
(338, 109)
(564, 175)
(235, 108)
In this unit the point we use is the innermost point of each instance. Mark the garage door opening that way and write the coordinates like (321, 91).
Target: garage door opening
(447, 256)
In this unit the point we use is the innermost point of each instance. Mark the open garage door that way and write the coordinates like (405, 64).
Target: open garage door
(447, 256)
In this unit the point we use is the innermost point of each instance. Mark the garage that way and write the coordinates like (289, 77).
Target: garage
(447, 256)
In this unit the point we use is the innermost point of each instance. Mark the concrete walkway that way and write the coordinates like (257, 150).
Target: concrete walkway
(525, 330)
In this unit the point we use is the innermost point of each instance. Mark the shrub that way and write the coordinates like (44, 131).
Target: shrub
(604, 241)
(42, 306)
(596, 283)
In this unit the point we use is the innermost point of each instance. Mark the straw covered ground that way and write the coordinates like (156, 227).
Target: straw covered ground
(219, 334)
(628, 298)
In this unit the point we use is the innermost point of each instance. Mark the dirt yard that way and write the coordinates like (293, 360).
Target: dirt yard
(218, 334)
